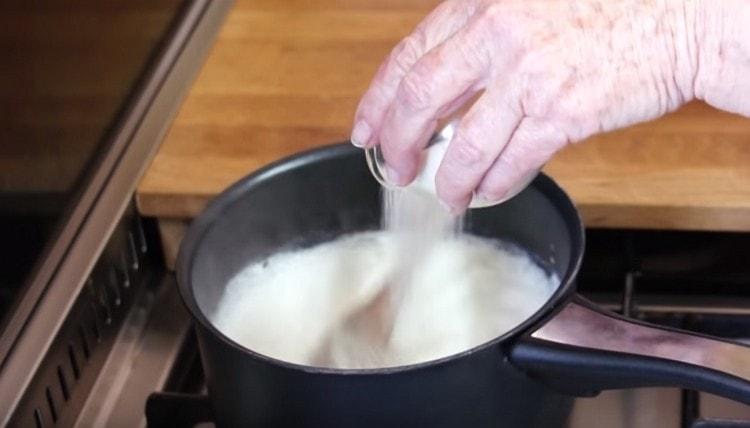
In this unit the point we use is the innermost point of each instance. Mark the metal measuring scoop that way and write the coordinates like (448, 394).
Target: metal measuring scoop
(433, 155)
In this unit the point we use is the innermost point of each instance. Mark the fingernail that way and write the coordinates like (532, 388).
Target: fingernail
(484, 197)
(490, 198)
(445, 206)
(361, 133)
(454, 211)
(393, 176)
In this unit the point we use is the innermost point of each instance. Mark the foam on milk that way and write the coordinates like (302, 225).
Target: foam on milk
(462, 291)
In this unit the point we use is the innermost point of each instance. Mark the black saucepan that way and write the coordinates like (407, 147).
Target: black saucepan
(526, 377)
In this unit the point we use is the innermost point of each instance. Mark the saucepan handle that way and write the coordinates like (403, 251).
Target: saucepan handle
(584, 349)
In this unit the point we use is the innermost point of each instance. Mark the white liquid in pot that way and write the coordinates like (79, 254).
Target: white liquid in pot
(316, 306)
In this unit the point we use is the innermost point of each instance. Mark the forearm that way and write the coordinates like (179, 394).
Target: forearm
(722, 76)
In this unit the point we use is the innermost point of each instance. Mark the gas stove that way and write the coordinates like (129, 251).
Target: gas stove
(698, 281)
(693, 281)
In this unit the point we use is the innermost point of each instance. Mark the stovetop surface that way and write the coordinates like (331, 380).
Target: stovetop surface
(694, 281)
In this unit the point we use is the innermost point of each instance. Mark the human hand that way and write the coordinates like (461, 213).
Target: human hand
(552, 72)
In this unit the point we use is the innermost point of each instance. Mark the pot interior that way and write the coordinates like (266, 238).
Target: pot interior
(320, 195)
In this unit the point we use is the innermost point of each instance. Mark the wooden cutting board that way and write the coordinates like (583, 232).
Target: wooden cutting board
(285, 76)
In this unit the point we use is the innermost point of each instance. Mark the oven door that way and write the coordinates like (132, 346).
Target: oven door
(92, 88)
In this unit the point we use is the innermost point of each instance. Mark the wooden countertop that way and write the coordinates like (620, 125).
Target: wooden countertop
(286, 76)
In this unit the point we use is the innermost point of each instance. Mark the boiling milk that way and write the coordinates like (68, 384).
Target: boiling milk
(316, 306)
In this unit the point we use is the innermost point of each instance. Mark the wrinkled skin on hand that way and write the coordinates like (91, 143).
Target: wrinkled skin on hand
(548, 73)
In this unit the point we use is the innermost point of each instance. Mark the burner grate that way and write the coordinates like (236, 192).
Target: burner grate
(691, 281)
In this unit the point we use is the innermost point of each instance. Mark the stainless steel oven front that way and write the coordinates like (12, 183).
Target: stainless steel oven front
(89, 89)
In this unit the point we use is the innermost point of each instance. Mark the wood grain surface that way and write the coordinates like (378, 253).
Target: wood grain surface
(285, 76)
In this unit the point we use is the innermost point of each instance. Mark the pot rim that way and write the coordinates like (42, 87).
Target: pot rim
(202, 224)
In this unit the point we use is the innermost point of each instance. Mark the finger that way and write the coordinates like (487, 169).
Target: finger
(440, 24)
(456, 69)
(531, 146)
(463, 102)
(480, 137)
